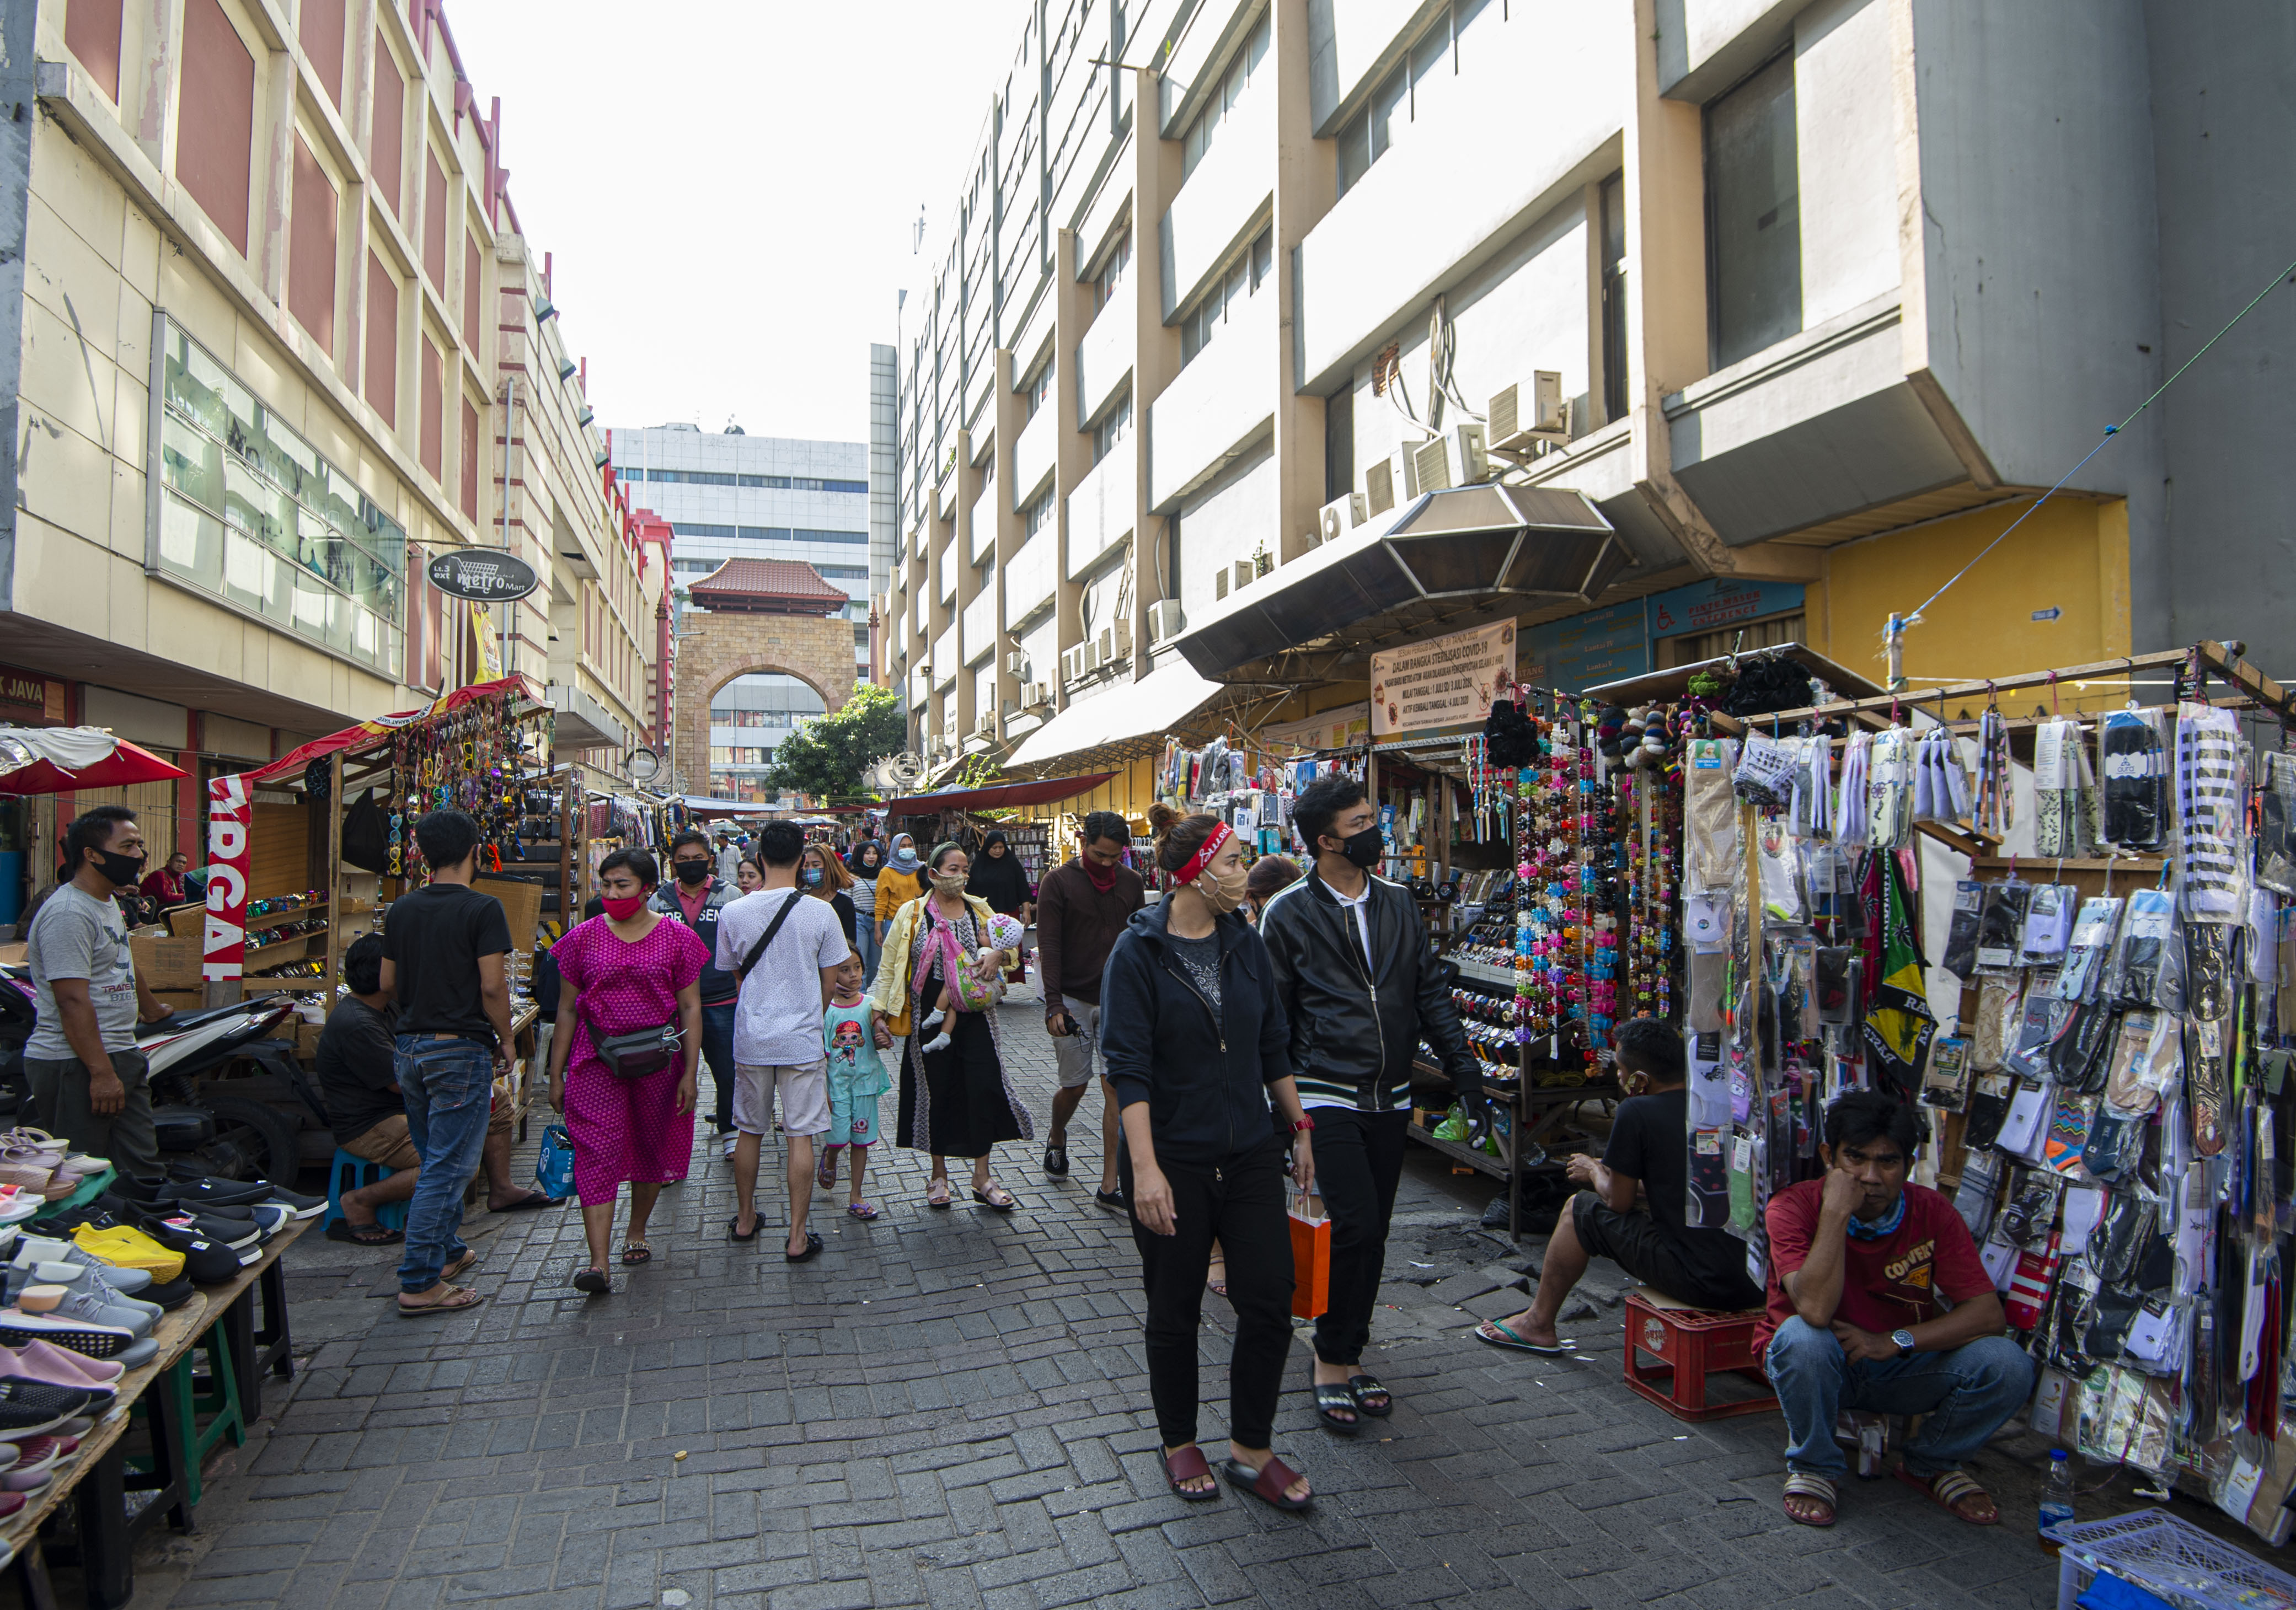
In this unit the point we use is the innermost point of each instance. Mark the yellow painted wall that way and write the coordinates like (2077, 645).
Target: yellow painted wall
(2071, 555)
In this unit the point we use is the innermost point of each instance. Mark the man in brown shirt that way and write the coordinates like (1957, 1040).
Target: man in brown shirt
(1082, 905)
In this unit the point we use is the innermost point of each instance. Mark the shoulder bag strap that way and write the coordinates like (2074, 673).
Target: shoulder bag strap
(767, 938)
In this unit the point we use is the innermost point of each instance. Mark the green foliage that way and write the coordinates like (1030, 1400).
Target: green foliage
(826, 755)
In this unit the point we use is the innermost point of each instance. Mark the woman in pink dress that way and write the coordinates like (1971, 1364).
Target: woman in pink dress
(623, 972)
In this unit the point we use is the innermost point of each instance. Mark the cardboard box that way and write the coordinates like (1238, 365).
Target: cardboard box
(180, 1000)
(165, 963)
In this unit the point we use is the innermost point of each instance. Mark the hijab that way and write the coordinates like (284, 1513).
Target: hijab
(999, 879)
(867, 859)
(904, 854)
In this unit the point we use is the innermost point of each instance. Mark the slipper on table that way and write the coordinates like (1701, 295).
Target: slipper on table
(1185, 1465)
(1267, 1484)
(1496, 1333)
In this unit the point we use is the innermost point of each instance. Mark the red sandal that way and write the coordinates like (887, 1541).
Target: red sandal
(1268, 1483)
(1186, 1465)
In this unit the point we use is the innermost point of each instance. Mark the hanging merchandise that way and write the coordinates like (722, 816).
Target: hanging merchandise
(2134, 766)
(1990, 807)
(1890, 790)
(2063, 791)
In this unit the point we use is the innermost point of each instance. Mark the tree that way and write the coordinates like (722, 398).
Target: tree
(826, 755)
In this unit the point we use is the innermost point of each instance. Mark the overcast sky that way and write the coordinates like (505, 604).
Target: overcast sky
(728, 185)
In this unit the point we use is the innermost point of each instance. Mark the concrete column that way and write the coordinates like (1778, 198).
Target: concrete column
(1307, 184)
(271, 215)
(1156, 177)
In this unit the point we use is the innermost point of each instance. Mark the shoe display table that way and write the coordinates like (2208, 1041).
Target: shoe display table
(117, 1504)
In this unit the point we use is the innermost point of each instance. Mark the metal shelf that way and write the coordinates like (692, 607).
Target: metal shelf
(1482, 1162)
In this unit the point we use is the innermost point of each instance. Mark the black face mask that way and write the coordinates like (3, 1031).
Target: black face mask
(691, 872)
(1365, 848)
(123, 871)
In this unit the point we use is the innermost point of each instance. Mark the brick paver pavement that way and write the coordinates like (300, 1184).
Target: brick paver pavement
(949, 1410)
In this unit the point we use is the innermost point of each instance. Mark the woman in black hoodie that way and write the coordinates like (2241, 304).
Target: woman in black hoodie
(1196, 1046)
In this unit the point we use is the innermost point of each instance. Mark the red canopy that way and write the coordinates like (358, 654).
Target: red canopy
(126, 764)
(1000, 797)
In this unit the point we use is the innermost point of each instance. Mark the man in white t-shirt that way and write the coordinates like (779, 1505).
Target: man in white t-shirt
(777, 1043)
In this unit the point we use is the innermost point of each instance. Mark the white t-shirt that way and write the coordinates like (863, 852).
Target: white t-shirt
(778, 1023)
(76, 935)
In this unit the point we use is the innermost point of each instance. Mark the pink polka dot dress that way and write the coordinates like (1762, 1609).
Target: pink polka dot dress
(626, 1130)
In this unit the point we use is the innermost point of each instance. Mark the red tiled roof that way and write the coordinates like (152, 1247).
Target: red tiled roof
(762, 583)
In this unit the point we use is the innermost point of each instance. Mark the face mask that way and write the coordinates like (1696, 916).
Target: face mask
(692, 872)
(1365, 848)
(121, 870)
(949, 883)
(1223, 892)
(622, 908)
(905, 859)
(812, 876)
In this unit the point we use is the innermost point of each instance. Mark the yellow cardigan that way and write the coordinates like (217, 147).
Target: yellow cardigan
(891, 995)
(897, 889)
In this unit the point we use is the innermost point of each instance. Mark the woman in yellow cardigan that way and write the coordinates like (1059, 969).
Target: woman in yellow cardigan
(900, 880)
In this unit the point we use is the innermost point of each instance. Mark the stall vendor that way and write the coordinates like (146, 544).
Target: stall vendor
(1858, 1262)
(165, 886)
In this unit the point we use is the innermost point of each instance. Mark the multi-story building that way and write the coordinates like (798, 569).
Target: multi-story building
(1772, 316)
(272, 324)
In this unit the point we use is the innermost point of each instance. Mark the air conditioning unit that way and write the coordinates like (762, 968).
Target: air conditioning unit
(1034, 694)
(1165, 621)
(1339, 517)
(1016, 662)
(1107, 650)
(1073, 664)
(1088, 655)
(985, 726)
(1526, 414)
(1382, 488)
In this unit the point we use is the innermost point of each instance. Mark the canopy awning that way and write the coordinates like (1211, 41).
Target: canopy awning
(1452, 560)
(61, 760)
(1002, 797)
(369, 733)
(1148, 709)
(1673, 681)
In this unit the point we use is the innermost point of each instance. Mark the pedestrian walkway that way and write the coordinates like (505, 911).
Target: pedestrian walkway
(950, 1409)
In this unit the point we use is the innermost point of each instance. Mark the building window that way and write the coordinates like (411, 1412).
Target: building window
(1035, 516)
(1221, 104)
(1753, 222)
(1408, 92)
(1112, 271)
(1339, 444)
(1242, 278)
(1615, 402)
(1742, 637)
(1036, 389)
(1114, 428)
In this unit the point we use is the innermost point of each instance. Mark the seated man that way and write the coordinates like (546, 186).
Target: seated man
(1649, 1139)
(357, 1082)
(1859, 1261)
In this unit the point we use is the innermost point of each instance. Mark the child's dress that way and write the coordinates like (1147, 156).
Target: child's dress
(856, 1075)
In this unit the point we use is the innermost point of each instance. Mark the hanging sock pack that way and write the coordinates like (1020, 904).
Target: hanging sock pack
(1940, 786)
(1890, 790)
(2208, 797)
(1812, 810)
(2063, 781)
(2134, 764)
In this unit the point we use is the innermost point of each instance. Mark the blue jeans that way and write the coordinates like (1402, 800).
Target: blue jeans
(869, 948)
(1964, 1396)
(717, 1051)
(449, 1089)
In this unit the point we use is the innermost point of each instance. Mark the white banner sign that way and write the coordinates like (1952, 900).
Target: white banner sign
(1445, 682)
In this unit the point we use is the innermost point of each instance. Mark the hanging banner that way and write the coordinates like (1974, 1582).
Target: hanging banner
(488, 656)
(223, 953)
(1445, 682)
(1344, 728)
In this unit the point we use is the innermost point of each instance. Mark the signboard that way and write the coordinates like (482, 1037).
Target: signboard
(485, 647)
(1345, 727)
(1445, 682)
(23, 693)
(1708, 605)
(484, 575)
(1586, 650)
(223, 952)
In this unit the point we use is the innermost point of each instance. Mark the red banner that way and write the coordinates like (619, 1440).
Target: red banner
(230, 822)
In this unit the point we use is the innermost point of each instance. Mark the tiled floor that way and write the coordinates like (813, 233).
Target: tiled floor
(949, 1410)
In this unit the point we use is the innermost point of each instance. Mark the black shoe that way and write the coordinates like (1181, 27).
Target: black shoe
(1056, 1161)
(27, 1407)
(240, 1235)
(168, 1294)
(298, 1204)
(207, 1192)
(131, 1189)
(205, 1263)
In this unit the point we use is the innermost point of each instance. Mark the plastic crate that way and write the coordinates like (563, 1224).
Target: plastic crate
(2170, 1558)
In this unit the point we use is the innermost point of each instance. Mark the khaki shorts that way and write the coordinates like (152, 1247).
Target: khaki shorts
(389, 1143)
(804, 1089)
(1075, 1054)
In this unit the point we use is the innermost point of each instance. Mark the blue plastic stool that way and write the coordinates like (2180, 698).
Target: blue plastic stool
(390, 1215)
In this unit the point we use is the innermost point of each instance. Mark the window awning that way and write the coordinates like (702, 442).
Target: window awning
(1147, 708)
(1451, 559)
(1000, 797)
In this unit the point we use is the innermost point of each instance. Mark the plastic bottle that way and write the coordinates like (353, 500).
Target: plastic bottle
(2056, 1498)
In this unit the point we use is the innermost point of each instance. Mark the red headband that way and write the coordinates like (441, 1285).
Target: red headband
(1202, 858)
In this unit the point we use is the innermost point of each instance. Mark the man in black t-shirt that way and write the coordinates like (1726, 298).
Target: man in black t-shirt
(1648, 1141)
(444, 952)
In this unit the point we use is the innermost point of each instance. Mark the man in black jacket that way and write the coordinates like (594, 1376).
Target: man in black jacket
(1361, 986)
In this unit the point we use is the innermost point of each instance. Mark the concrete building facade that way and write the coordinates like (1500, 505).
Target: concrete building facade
(1805, 299)
(271, 341)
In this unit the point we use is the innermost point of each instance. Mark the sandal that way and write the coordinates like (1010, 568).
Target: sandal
(1949, 1490)
(1496, 1332)
(988, 1197)
(1813, 1489)
(1267, 1484)
(457, 1297)
(1332, 1399)
(1185, 1465)
(937, 1191)
(636, 1252)
(824, 1171)
(532, 1199)
(813, 1245)
(1362, 1386)
(595, 1281)
(859, 1210)
(363, 1235)
(470, 1257)
(734, 1229)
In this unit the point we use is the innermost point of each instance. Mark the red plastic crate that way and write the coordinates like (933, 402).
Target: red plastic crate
(1692, 1343)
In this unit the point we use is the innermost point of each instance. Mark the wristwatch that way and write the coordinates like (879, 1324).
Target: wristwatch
(1904, 1339)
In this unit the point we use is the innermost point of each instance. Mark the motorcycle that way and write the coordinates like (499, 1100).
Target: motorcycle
(191, 1058)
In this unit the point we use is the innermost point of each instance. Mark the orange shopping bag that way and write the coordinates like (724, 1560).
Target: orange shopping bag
(1311, 1256)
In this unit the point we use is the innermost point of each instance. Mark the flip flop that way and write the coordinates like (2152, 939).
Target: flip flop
(636, 1252)
(595, 1281)
(458, 1298)
(1508, 1339)
(859, 1210)
(470, 1257)
(532, 1199)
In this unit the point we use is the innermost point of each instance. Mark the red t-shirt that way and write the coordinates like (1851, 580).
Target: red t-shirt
(1887, 1283)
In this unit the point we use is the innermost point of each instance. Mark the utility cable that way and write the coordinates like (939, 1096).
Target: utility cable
(1900, 624)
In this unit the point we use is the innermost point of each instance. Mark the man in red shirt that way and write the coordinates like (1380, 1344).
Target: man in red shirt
(1858, 1263)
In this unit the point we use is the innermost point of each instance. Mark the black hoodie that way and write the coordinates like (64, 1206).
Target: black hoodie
(1205, 1080)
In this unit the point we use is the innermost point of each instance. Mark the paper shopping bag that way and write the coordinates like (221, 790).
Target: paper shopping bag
(1311, 1257)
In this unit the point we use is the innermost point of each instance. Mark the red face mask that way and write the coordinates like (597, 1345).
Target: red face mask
(623, 909)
